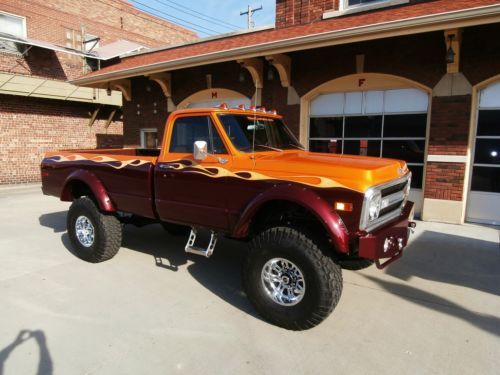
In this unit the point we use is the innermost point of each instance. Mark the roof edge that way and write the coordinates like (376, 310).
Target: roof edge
(414, 25)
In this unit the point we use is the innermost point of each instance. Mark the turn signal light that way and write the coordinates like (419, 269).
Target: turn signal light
(343, 206)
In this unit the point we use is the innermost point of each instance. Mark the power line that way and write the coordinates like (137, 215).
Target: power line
(194, 25)
(156, 19)
(204, 15)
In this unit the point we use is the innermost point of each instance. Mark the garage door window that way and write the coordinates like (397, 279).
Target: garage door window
(486, 168)
(388, 123)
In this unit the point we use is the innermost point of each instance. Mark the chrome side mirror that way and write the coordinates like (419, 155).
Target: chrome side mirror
(200, 150)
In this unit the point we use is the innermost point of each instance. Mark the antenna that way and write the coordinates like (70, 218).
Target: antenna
(250, 13)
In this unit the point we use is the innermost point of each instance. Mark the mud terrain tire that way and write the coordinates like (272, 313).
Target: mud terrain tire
(95, 236)
(300, 258)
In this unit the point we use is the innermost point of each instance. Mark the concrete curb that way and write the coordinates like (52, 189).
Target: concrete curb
(20, 186)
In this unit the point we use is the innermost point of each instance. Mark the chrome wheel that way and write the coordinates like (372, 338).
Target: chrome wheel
(84, 231)
(283, 281)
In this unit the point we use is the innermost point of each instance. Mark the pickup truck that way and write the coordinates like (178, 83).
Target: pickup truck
(242, 174)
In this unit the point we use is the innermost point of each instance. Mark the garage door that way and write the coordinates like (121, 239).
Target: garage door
(390, 123)
(484, 197)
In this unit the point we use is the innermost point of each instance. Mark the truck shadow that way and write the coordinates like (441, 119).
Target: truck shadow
(221, 274)
(486, 322)
(54, 220)
(451, 259)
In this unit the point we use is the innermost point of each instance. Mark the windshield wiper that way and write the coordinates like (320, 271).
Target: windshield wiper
(268, 147)
(297, 146)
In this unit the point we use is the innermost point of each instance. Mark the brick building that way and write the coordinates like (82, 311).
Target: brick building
(43, 44)
(409, 79)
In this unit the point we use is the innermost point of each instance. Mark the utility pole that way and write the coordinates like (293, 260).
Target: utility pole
(250, 13)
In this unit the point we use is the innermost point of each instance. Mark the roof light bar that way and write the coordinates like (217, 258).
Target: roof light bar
(223, 106)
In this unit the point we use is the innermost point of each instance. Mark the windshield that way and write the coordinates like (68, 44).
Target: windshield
(270, 133)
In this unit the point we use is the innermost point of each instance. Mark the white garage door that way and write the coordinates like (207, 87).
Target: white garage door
(389, 123)
(484, 197)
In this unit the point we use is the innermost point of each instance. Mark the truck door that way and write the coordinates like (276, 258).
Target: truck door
(190, 191)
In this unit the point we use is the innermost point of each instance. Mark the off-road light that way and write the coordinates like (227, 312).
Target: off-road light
(242, 107)
(343, 206)
(223, 106)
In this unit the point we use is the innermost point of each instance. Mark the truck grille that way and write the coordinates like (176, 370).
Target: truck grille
(394, 195)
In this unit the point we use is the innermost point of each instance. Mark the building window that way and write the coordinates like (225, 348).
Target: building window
(354, 6)
(360, 2)
(390, 124)
(73, 39)
(13, 25)
(90, 42)
(149, 138)
(486, 167)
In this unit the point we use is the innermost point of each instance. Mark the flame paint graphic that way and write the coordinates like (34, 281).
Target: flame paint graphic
(218, 172)
(114, 163)
(189, 166)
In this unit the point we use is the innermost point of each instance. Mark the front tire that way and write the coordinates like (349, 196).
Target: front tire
(289, 280)
(95, 236)
(354, 263)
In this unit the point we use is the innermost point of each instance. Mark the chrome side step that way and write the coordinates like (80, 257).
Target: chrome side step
(191, 248)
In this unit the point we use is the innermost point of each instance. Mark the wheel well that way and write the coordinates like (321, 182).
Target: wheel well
(290, 214)
(77, 189)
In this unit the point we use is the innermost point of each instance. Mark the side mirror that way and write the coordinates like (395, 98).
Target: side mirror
(200, 150)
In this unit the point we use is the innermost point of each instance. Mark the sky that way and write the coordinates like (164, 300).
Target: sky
(209, 17)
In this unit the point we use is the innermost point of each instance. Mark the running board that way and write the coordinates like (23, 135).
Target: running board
(190, 248)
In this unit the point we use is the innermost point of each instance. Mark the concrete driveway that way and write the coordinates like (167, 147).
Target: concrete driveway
(153, 309)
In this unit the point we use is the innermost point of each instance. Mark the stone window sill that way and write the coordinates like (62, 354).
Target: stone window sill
(363, 8)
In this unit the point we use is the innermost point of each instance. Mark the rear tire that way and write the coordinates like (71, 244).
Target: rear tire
(95, 236)
(289, 280)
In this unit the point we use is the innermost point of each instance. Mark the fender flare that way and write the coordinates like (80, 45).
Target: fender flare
(94, 184)
(304, 197)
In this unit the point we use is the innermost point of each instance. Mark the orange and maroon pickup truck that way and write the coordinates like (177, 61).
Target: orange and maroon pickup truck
(241, 173)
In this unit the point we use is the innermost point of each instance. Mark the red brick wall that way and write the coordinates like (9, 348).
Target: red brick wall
(184, 83)
(295, 12)
(450, 122)
(111, 20)
(444, 181)
(29, 127)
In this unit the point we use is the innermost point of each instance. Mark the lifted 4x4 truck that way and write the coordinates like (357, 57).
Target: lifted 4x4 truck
(241, 173)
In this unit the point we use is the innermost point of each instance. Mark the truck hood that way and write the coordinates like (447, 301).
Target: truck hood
(329, 170)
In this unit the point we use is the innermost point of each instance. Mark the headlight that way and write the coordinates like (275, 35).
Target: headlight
(374, 206)
(407, 190)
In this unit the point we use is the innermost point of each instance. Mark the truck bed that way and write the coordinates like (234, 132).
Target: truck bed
(127, 175)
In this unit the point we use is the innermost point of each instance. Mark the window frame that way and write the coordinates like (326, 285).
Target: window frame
(209, 146)
(345, 8)
(23, 21)
(143, 132)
